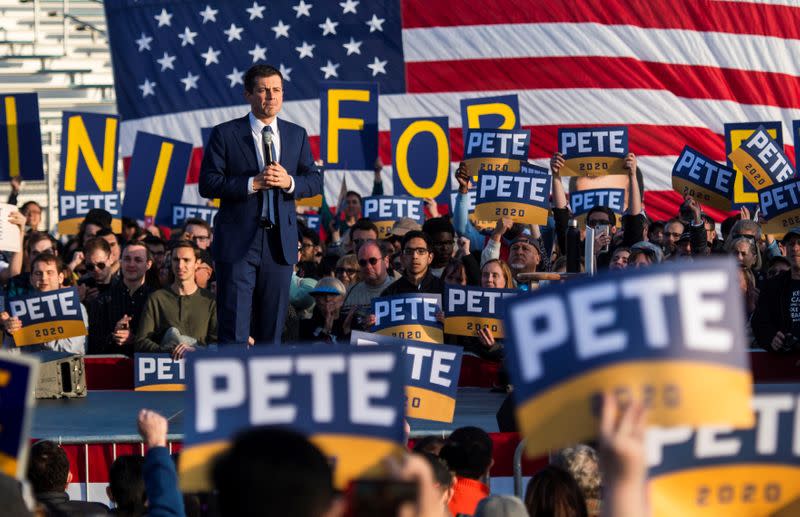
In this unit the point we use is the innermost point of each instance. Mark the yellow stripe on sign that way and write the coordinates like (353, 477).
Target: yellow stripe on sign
(159, 179)
(429, 404)
(162, 387)
(13, 137)
(8, 465)
(194, 465)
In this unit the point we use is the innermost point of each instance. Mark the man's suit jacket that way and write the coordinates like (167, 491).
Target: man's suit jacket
(229, 161)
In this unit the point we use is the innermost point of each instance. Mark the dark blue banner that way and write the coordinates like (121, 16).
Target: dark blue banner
(18, 376)
(499, 112)
(158, 372)
(421, 157)
(348, 125)
(20, 137)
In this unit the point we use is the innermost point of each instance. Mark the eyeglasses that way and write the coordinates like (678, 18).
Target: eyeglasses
(416, 251)
(591, 223)
(349, 271)
(371, 261)
(306, 245)
(99, 266)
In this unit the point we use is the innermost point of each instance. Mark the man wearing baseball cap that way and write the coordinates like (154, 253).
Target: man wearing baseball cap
(776, 320)
(525, 255)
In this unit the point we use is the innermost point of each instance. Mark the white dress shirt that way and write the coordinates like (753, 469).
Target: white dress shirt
(256, 127)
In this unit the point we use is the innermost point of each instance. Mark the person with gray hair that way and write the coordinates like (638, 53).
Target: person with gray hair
(501, 506)
(581, 461)
(746, 251)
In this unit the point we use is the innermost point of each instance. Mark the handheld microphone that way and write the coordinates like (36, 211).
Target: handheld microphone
(266, 140)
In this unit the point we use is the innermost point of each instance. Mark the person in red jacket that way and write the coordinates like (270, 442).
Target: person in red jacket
(468, 453)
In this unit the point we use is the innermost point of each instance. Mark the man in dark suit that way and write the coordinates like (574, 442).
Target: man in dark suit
(255, 231)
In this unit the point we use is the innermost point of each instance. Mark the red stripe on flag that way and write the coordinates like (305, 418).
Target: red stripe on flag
(696, 15)
(662, 205)
(688, 81)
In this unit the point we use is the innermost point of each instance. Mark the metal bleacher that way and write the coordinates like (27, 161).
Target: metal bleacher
(59, 49)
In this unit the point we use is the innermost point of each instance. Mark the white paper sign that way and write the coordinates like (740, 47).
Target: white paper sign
(9, 232)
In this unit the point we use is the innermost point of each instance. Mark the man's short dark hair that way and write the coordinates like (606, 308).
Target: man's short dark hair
(255, 72)
(183, 243)
(152, 240)
(364, 224)
(94, 244)
(655, 226)
(49, 258)
(197, 222)
(353, 193)
(277, 467)
(308, 233)
(48, 467)
(28, 204)
(34, 238)
(468, 452)
(438, 225)
(416, 234)
(138, 244)
(612, 217)
(126, 482)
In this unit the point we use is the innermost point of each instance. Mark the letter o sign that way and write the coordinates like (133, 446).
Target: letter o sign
(442, 162)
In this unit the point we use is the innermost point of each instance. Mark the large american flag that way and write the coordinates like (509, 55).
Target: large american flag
(674, 72)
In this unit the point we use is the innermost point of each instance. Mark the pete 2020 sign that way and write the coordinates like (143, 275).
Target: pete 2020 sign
(662, 334)
(744, 192)
(408, 316)
(581, 201)
(713, 471)
(593, 151)
(780, 206)
(499, 150)
(18, 376)
(431, 375)
(523, 197)
(762, 160)
(158, 372)
(384, 211)
(703, 179)
(348, 400)
(469, 309)
(47, 316)
(88, 174)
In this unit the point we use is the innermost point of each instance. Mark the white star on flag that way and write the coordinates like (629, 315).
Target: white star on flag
(376, 24)
(349, 6)
(330, 69)
(234, 32)
(328, 27)
(187, 38)
(303, 9)
(147, 88)
(164, 18)
(378, 67)
(257, 11)
(235, 77)
(354, 47)
(209, 14)
(144, 42)
(281, 29)
(258, 52)
(211, 56)
(285, 72)
(166, 62)
(305, 50)
(190, 81)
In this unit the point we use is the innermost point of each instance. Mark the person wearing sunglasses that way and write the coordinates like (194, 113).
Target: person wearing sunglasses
(417, 256)
(374, 267)
(97, 279)
(346, 270)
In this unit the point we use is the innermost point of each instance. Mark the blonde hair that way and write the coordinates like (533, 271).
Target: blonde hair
(581, 461)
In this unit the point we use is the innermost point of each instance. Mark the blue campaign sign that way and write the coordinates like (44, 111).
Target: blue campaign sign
(313, 221)
(524, 197)
(501, 150)
(703, 179)
(663, 334)
(47, 316)
(780, 206)
(762, 160)
(409, 316)
(181, 212)
(581, 201)
(349, 400)
(158, 372)
(384, 211)
(711, 471)
(73, 207)
(593, 151)
(421, 157)
(156, 177)
(744, 192)
(348, 125)
(18, 376)
(20, 137)
(499, 112)
(431, 375)
(468, 309)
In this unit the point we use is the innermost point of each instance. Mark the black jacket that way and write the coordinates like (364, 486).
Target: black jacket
(772, 311)
(58, 504)
(430, 284)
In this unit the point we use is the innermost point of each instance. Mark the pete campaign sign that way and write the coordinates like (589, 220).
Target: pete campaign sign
(18, 376)
(744, 192)
(498, 112)
(88, 173)
(158, 372)
(384, 211)
(593, 151)
(581, 201)
(762, 160)
(20, 137)
(408, 316)
(182, 212)
(524, 197)
(713, 471)
(469, 309)
(348, 400)
(348, 124)
(47, 316)
(703, 179)
(780, 206)
(431, 375)
(662, 334)
(470, 200)
(499, 150)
